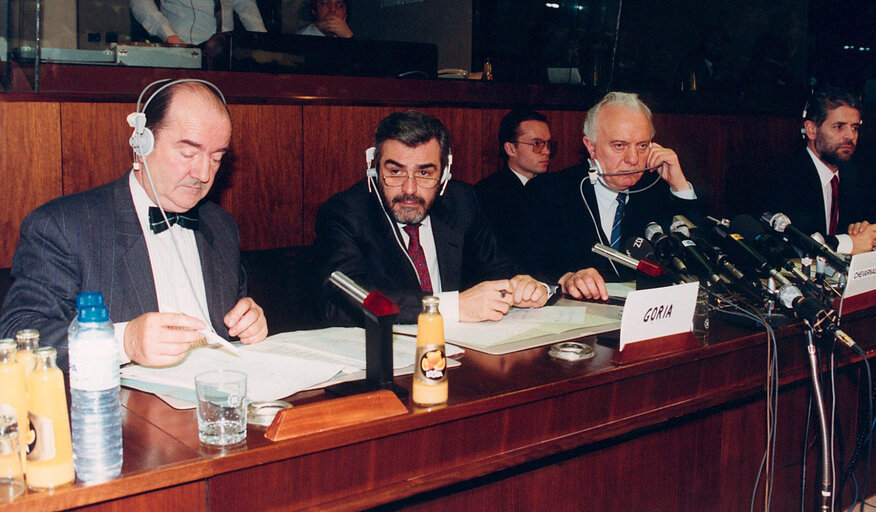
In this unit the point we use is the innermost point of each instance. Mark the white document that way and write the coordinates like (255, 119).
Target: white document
(862, 275)
(526, 328)
(658, 312)
(269, 376)
(620, 290)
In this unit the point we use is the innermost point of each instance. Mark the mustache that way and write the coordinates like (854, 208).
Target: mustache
(409, 198)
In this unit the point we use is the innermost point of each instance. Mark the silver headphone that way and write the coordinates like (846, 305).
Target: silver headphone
(371, 170)
(142, 141)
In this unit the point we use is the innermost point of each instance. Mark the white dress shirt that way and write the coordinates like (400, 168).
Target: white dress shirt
(448, 302)
(606, 199)
(171, 288)
(825, 174)
(193, 20)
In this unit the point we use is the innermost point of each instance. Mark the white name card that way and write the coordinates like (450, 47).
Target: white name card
(862, 275)
(658, 312)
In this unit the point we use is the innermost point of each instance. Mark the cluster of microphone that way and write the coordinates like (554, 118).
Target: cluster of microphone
(745, 256)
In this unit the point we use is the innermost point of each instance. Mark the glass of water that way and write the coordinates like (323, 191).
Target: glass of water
(221, 407)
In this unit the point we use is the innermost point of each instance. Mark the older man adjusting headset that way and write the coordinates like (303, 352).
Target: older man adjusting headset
(407, 230)
(629, 181)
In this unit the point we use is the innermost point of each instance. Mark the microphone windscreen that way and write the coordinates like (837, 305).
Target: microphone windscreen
(747, 226)
(638, 248)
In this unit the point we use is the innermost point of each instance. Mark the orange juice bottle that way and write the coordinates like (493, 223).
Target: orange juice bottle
(13, 398)
(28, 340)
(50, 459)
(430, 365)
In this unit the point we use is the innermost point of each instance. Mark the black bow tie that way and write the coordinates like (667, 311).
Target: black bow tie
(188, 219)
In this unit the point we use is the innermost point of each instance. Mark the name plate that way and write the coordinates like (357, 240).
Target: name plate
(658, 312)
(862, 275)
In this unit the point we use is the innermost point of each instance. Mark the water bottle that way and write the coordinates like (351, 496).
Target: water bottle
(95, 411)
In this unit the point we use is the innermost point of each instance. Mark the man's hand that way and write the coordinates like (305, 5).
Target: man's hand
(584, 284)
(489, 300)
(174, 40)
(246, 320)
(671, 170)
(334, 26)
(528, 293)
(863, 236)
(161, 339)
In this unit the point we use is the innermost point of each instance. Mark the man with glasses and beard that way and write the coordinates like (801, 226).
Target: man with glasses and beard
(818, 187)
(407, 230)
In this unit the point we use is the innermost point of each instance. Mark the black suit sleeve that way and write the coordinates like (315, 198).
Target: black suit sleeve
(342, 244)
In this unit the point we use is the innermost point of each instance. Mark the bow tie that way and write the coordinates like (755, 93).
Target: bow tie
(188, 219)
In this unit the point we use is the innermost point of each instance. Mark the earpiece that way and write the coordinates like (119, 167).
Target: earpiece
(142, 141)
(371, 169)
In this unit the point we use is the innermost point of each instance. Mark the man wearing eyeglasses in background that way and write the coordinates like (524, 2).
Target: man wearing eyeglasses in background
(407, 230)
(573, 212)
(526, 147)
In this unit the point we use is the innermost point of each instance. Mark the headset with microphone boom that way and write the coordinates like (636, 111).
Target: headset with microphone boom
(372, 175)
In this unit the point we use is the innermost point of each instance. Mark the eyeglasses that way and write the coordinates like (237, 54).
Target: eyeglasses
(538, 145)
(395, 178)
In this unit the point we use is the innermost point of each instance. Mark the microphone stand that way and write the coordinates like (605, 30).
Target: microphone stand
(380, 313)
(826, 485)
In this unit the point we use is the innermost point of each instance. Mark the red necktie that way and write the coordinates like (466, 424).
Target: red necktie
(834, 204)
(415, 251)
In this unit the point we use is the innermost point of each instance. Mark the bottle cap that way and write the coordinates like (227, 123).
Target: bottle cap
(93, 314)
(89, 299)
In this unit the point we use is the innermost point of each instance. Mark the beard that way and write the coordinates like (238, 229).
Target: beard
(406, 214)
(830, 151)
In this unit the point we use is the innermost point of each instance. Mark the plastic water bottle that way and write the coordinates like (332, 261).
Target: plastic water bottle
(95, 411)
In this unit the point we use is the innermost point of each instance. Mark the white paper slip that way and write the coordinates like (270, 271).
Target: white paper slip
(658, 312)
(620, 290)
(862, 275)
(215, 339)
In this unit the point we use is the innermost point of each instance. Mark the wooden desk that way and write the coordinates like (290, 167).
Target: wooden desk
(680, 432)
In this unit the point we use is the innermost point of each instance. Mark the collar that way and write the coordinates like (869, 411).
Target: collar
(425, 223)
(605, 194)
(141, 202)
(825, 174)
(523, 179)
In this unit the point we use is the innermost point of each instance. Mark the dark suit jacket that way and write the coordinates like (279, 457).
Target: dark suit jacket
(92, 241)
(503, 198)
(566, 231)
(795, 190)
(354, 236)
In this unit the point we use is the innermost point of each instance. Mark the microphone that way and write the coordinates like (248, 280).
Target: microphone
(740, 250)
(668, 253)
(812, 313)
(773, 248)
(639, 248)
(644, 266)
(692, 253)
(782, 224)
(373, 303)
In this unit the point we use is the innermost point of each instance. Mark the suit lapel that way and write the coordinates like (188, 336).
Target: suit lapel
(210, 263)
(448, 245)
(133, 271)
(590, 197)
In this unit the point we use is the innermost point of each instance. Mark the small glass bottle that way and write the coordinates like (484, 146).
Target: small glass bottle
(28, 340)
(50, 460)
(430, 365)
(13, 397)
(488, 70)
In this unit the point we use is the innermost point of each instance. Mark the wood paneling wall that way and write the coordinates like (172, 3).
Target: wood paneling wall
(288, 159)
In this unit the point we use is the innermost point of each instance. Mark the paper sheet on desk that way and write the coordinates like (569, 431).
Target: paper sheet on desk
(527, 328)
(344, 345)
(270, 376)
